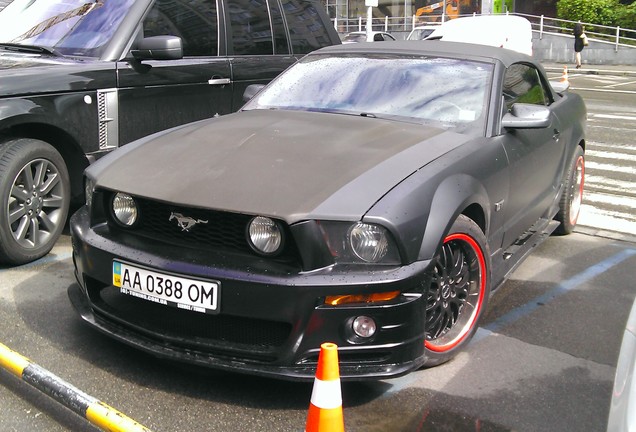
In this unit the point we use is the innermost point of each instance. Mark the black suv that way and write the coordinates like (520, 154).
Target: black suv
(79, 78)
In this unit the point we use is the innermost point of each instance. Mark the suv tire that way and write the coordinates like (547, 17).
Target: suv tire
(34, 199)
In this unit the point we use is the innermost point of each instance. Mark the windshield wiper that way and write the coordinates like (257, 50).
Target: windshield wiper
(28, 48)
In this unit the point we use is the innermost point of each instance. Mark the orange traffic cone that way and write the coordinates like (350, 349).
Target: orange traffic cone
(564, 77)
(325, 409)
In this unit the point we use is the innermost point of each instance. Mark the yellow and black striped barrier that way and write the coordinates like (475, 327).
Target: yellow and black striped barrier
(96, 412)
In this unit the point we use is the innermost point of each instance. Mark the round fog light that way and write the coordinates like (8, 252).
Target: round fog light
(125, 209)
(265, 236)
(364, 326)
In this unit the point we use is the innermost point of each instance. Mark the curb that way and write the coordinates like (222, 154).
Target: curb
(93, 410)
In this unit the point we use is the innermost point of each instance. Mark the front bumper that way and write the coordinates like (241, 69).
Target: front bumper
(270, 323)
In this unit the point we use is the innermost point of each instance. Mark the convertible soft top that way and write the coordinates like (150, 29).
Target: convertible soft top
(436, 48)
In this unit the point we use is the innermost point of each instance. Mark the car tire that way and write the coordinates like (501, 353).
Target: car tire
(572, 196)
(34, 199)
(458, 291)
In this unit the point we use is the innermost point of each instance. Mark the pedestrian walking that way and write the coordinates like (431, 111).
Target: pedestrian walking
(579, 43)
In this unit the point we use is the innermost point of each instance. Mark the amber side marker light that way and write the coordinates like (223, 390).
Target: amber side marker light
(361, 298)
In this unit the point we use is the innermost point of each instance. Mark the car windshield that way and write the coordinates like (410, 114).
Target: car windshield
(448, 93)
(70, 27)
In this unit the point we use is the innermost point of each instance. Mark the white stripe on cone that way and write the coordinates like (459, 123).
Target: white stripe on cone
(326, 394)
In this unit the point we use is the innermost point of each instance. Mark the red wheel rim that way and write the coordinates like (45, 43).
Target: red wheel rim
(456, 293)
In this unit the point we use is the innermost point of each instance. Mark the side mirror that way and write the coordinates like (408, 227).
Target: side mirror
(158, 48)
(251, 91)
(526, 116)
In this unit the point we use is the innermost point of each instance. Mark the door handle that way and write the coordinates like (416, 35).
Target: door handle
(556, 135)
(218, 81)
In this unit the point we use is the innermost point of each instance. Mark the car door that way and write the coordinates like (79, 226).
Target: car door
(535, 155)
(160, 94)
(258, 46)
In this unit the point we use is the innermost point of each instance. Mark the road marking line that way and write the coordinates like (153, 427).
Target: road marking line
(563, 288)
(617, 156)
(609, 167)
(603, 90)
(398, 384)
(613, 116)
(619, 84)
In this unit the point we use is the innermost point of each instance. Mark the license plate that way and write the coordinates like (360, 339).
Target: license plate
(167, 289)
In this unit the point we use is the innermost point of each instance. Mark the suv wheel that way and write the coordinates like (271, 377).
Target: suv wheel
(34, 199)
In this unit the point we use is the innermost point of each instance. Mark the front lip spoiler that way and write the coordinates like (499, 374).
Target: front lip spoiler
(307, 372)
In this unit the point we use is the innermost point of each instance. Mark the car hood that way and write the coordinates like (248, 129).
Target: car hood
(26, 74)
(289, 165)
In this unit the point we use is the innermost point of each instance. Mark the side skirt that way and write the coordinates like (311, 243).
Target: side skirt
(505, 262)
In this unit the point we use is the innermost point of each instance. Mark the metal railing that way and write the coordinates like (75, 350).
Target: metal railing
(541, 24)
(616, 36)
(387, 23)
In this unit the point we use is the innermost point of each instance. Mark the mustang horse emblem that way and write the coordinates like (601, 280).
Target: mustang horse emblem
(185, 222)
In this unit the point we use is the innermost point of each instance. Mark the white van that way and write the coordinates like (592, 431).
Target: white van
(506, 31)
(422, 32)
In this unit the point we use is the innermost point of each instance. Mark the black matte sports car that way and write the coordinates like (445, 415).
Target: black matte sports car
(371, 196)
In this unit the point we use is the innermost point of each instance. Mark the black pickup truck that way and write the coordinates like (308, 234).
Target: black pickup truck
(79, 78)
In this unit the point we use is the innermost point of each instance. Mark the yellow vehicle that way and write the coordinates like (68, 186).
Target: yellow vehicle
(453, 9)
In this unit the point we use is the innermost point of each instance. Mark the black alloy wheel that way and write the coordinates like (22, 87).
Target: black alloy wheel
(457, 293)
(34, 198)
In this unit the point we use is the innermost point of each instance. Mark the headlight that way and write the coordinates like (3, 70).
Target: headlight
(265, 236)
(368, 242)
(359, 243)
(125, 209)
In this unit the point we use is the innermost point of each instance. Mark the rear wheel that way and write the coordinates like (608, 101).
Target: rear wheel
(457, 293)
(570, 204)
(34, 199)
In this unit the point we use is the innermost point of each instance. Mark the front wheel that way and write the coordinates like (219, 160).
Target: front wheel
(34, 199)
(570, 204)
(457, 293)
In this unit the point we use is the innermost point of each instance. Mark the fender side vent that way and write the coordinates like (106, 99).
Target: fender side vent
(107, 110)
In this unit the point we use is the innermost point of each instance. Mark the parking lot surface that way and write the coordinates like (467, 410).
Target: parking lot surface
(544, 359)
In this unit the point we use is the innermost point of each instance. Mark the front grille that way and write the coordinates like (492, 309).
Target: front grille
(169, 326)
(216, 231)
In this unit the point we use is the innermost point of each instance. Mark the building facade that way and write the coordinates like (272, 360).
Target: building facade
(434, 10)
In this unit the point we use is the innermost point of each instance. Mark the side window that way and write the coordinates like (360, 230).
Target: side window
(195, 22)
(281, 43)
(306, 29)
(523, 85)
(251, 31)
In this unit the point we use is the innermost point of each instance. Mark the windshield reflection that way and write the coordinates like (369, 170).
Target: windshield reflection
(446, 92)
(70, 27)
